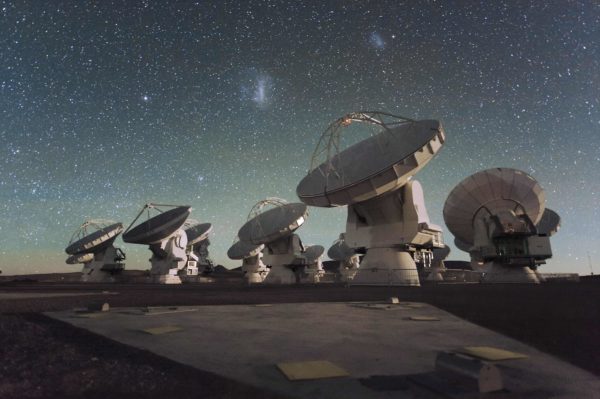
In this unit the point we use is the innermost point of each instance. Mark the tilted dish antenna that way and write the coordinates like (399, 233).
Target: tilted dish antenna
(92, 245)
(274, 228)
(197, 246)
(165, 238)
(93, 236)
(494, 213)
(347, 258)
(387, 217)
(255, 271)
(549, 224)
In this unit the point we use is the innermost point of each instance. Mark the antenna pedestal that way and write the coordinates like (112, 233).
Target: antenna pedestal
(284, 256)
(254, 269)
(498, 273)
(168, 258)
(103, 268)
(349, 268)
(387, 266)
(436, 274)
(312, 273)
(390, 227)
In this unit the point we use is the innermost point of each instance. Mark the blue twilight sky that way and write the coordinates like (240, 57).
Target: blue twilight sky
(107, 105)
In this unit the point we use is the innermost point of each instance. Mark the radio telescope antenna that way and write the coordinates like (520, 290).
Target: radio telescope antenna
(499, 216)
(165, 238)
(271, 232)
(92, 245)
(197, 247)
(347, 258)
(387, 218)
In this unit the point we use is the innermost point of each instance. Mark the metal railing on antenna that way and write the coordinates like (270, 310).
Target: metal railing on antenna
(328, 145)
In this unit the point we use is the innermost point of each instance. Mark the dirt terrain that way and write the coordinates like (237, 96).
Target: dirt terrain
(42, 357)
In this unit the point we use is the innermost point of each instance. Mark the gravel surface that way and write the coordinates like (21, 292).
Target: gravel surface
(46, 358)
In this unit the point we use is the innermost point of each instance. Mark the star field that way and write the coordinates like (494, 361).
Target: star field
(108, 105)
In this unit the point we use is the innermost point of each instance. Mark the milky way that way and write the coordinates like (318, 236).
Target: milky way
(107, 105)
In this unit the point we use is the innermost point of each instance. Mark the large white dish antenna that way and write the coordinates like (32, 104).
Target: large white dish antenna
(103, 237)
(376, 165)
(490, 191)
(157, 228)
(274, 224)
(549, 223)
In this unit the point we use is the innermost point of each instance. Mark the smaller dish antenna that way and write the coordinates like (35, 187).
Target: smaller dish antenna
(162, 232)
(255, 271)
(272, 223)
(549, 224)
(437, 268)
(92, 245)
(497, 215)
(197, 247)
(313, 270)
(348, 259)
(80, 258)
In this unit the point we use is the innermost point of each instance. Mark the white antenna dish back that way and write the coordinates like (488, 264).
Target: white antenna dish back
(487, 192)
(494, 214)
(387, 217)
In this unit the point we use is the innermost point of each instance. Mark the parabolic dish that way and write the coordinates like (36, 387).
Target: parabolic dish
(273, 224)
(313, 253)
(340, 251)
(486, 193)
(376, 165)
(242, 250)
(97, 241)
(79, 258)
(549, 223)
(198, 232)
(158, 227)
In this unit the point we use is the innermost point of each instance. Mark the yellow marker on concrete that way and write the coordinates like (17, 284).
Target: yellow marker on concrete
(162, 330)
(311, 370)
(491, 353)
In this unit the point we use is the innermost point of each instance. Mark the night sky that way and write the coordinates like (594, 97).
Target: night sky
(107, 105)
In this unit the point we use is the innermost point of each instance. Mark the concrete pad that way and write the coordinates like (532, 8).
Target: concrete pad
(311, 370)
(490, 353)
(245, 342)
(89, 315)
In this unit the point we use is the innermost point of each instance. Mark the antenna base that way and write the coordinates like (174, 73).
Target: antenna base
(387, 266)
